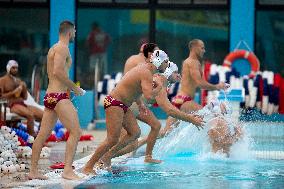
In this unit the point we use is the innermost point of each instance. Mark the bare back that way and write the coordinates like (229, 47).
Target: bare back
(190, 69)
(129, 89)
(62, 51)
(133, 61)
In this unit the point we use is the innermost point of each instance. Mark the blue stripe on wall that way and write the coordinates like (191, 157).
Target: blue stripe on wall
(242, 28)
(59, 11)
(242, 23)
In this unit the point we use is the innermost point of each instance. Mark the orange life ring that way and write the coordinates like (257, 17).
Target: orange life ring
(250, 56)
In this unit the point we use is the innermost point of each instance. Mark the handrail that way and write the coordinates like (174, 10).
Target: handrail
(95, 90)
(33, 79)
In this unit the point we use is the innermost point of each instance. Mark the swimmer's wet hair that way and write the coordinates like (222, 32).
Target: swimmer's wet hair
(149, 47)
(65, 26)
(193, 43)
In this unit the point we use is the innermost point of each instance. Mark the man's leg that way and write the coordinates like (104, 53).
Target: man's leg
(48, 121)
(133, 132)
(127, 149)
(155, 125)
(26, 113)
(38, 113)
(68, 116)
(114, 120)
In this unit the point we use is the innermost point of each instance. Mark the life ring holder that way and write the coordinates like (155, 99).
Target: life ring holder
(243, 54)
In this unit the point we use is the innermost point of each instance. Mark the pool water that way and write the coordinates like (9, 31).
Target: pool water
(188, 163)
(188, 171)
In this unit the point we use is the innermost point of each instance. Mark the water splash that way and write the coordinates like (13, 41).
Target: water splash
(186, 138)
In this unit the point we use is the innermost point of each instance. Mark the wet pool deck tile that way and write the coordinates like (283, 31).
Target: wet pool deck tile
(85, 148)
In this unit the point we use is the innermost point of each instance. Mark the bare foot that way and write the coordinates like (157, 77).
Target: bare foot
(104, 165)
(151, 160)
(37, 175)
(88, 171)
(70, 175)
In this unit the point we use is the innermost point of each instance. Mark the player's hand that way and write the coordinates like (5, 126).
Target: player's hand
(197, 121)
(79, 91)
(222, 85)
(18, 90)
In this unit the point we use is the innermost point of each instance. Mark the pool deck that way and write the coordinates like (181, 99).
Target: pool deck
(85, 148)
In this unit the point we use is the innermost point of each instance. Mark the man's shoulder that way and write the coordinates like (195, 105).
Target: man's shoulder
(190, 62)
(60, 48)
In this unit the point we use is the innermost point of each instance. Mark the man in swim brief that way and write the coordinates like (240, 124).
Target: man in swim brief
(136, 82)
(58, 104)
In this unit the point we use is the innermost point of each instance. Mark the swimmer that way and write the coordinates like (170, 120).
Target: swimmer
(57, 103)
(220, 135)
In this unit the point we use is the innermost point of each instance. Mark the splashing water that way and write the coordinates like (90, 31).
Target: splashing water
(187, 139)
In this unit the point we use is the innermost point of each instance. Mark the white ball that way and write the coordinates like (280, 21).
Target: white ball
(17, 167)
(8, 163)
(8, 129)
(22, 167)
(4, 169)
(13, 133)
(12, 168)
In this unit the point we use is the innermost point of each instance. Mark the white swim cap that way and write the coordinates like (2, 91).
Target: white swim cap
(158, 57)
(10, 64)
(170, 70)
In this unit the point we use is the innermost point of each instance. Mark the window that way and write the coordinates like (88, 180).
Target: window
(116, 34)
(175, 1)
(24, 38)
(269, 40)
(175, 28)
(271, 2)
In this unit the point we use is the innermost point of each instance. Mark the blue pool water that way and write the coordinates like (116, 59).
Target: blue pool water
(188, 171)
(188, 163)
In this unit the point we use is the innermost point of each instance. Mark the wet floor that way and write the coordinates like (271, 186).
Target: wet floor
(85, 148)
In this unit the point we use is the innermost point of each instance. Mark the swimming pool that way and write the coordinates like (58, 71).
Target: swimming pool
(187, 163)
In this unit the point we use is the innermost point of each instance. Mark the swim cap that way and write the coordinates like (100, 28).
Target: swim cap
(10, 64)
(170, 70)
(158, 57)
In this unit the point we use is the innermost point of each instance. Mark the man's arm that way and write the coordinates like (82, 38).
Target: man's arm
(166, 105)
(24, 93)
(60, 57)
(194, 71)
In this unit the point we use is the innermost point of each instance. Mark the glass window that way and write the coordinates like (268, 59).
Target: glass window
(211, 2)
(131, 1)
(24, 38)
(175, 1)
(31, 1)
(175, 28)
(271, 2)
(107, 37)
(269, 40)
(96, 1)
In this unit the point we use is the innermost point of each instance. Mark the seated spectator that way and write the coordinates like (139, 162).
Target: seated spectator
(15, 91)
